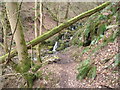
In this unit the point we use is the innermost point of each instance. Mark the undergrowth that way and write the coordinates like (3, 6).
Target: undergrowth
(91, 35)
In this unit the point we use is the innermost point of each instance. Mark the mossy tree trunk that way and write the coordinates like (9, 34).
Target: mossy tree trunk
(12, 13)
(57, 29)
(4, 25)
(24, 62)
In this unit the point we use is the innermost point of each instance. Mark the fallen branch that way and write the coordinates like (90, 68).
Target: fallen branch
(57, 29)
(11, 74)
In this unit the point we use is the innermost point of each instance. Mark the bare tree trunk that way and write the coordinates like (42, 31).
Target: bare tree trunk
(57, 13)
(35, 22)
(38, 31)
(36, 28)
(41, 19)
(67, 10)
(24, 61)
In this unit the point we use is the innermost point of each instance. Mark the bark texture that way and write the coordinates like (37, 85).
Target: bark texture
(12, 13)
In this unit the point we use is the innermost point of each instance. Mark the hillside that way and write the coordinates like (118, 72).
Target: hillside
(64, 54)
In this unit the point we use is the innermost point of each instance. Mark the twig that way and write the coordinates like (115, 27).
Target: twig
(11, 74)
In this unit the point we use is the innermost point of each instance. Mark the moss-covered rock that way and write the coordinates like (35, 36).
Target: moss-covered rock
(49, 52)
(62, 46)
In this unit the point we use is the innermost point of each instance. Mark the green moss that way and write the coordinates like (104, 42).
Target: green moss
(50, 52)
(12, 54)
(61, 41)
(30, 79)
(47, 77)
(50, 47)
(36, 67)
(23, 69)
(39, 59)
(66, 24)
(23, 66)
(39, 74)
(50, 43)
(62, 46)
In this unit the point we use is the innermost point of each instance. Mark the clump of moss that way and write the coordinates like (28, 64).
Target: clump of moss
(22, 68)
(29, 77)
(62, 46)
(50, 52)
(39, 74)
(36, 67)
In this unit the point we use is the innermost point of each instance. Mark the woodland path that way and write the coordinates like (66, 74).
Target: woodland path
(64, 72)
(68, 72)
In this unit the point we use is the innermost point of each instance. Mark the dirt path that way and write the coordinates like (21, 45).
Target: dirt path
(68, 72)
(64, 72)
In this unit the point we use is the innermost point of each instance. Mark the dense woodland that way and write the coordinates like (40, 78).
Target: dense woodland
(59, 44)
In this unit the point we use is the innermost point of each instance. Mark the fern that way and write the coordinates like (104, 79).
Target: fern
(83, 71)
(86, 49)
(86, 69)
(117, 61)
(84, 63)
(92, 72)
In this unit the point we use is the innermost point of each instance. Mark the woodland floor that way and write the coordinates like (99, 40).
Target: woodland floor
(63, 73)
